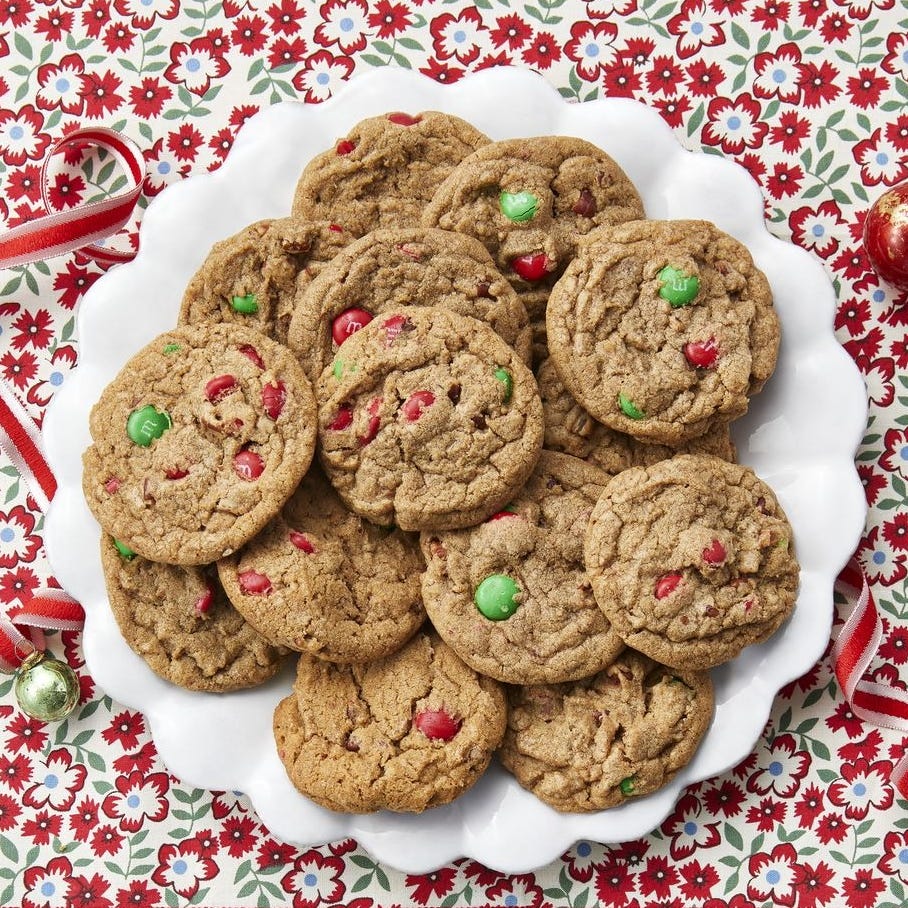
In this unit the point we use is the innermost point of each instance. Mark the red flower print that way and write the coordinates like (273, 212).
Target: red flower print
(869, 747)
(896, 132)
(41, 827)
(780, 768)
(543, 52)
(673, 109)
(286, 16)
(895, 532)
(239, 115)
(818, 83)
(460, 38)
(582, 861)
(24, 183)
(17, 541)
(206, 842)
(895, 646)
(863, 785)
(862, 889)
(658, 877)
(344, 23)
(441, 72)
(429, 888)
(72, 283)
(66, 191)
(809, 806)
(603, 9)
(274, 854)
(736, 901)
(699, 880)
(220, 143)
(753, 165)
(314, 879)
(9, 812)
(896, 59)
(766, 814)
(880, 565)
(84, 819)
(249, 35)
(843, 719)
(772, 875)
(880, 160)
(811, 11)
(510, 30)
(142, 760)
(861, 9)
(866, 88)
(725, 798)
(785, 180)
(15, 12)
(285, 53)
(144, 13)
(878, 376)
(688, 831)
(55, 25)
(124, 729)
(620, 79)
(95, 17)
(490, 60)
(638, 50)
(25, 733)
(734, 124)
(238, 835)
(704, 79)
(225, 803)
(664, 76)
(390, 18)
(696, 26)
(47, 884)
(99, 92)
(59, 782)
(771, 14)
(872, 480)
(88, 893)
(185, 142)
(194, 65)
(118, 38)
(183, 869)
(777, 74)
(852, 315)
(106, 840)
(812, 884)
(835, 28)
(15, 773)
(591, 48)
(138, 895)
(322, 71)
(148, 99)
(518, 890)
(136, 798)
(33, 329)
(894, 861)
(816, 228)
(21, 138)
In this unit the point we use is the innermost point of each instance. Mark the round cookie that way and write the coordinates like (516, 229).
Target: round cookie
(403, 267)
(511, 596)
(658, 328)
(528, 201)
(384, 171)
(254, 277)
(598, 742)
(691, 560)
(571, 430)
(324, 581)
(198, 442)
(405, 733)
(427, 420)
(181, 623)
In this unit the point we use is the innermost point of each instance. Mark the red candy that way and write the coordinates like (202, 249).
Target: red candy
(301, 541)
(112, 484)
(436, 724)
(531, 267)
(274, 396)
(176, 473)
(219, 387)
(416, 404)
(349, 322)
(248, 465)
(336, 228)
(403, 119)
(714, 553)
(252, 583)
(585, 205)
(394, 326)
(203, 603)
(702, 354)
(666, 585)
(342, 420)
(374, 422)
(251, 353)
(345, 146)
(500, 515)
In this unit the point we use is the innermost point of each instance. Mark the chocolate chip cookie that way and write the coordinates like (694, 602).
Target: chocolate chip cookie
(254, 277)
(529, 200)
(511, 596)
(198, 442)
(181, 623)
(403, 267)
(384, 171)
(404, 733)
(691, 560)
(601, 741)
(427, 420)
(570, 429)
(658, 328)
(324, 581)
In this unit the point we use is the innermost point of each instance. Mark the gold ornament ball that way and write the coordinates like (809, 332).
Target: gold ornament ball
(46, 688)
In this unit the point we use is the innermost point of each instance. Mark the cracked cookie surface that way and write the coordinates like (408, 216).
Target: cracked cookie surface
(321, 580)
(405, 733)
(601, 741)
(658, 328)
(254, 277)
(384, 171)
(181, 623)
(531, 558)
(197, 443)
(691, 559)
(403, 267)
(427, 420)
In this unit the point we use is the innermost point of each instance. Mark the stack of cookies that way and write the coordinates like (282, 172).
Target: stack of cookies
(455, 435)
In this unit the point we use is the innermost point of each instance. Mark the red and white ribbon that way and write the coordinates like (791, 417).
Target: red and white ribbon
(83, 226)
(854, 649)
(20, 441)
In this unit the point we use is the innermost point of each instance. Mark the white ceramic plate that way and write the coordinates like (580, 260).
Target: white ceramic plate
(800, 436)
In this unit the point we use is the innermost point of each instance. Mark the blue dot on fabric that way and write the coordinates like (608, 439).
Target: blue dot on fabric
(56, 379)
(779, 76)
(879, 296)
(905, 57)
(882, 158)
(690, 828)
(583, 849)
(16, 132)
(903, 856)
(460, 36)
(323, 78)
(775, 768)
(163, 167)
(592, 50)
(879, 557)
(193, 65)
(510, 900)
(310, 879)
(51, 781)
(7, 534)
(734, 122)
(346, 24)
(133, 801)
(860, 789)
(903, 452)
(62, 84)
(818, 230)
(696, 28)
(146, 2)
(773, 877)
(179, 866)
(48, 888)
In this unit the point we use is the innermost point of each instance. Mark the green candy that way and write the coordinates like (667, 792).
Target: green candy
(505, 378)
(171, 348)
(124, 550)
(146, 424)
(518, 206)
(245, 305)
(627, 786)
(337, 370)
(677, 287)
(494, 597)
(629, 408)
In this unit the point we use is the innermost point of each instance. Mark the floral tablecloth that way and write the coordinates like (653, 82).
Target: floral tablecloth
(809, 95)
